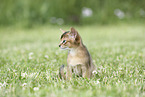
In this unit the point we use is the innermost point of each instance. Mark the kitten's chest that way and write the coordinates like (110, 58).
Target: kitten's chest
(75, 58)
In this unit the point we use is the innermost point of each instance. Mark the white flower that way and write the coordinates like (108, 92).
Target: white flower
(8, 69)
(47, 77)
(94, 72)
(87, 12)
(24, 84)
(30, 58)
(4, 84)
(119, 13)
(14, 70)
(97, 82)
(46, 56)
(36, 88)
(24, 74)
(31, 53)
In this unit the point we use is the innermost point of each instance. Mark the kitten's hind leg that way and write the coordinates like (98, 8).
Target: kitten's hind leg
(61, 72)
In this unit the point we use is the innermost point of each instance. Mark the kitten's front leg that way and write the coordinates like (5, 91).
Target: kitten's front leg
(85, 72)
(69, 73)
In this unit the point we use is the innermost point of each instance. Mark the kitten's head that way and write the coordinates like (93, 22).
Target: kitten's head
(70, 39)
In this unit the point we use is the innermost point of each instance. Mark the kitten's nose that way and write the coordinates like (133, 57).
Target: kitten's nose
(59, 45)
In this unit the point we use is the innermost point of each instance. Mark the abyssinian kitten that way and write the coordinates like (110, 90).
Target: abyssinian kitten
(79, 60)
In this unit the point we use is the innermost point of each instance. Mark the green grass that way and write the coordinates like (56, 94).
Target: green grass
(30, 59)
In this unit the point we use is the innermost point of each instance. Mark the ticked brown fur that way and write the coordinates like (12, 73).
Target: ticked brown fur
(79, 60)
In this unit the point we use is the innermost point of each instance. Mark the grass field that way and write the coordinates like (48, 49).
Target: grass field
(30, 59)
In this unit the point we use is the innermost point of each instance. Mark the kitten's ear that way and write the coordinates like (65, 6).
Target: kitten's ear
(75, 35)
(62, 30)
(73, 32)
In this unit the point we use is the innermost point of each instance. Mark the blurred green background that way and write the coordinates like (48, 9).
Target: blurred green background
(64, 12)
(112, 30)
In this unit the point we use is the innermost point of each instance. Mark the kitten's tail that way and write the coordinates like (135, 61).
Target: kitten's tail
(61, 72)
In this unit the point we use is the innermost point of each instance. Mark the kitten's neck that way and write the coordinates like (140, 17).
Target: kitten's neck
(75, 49)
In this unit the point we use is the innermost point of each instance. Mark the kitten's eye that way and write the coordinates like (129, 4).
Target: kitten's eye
(64, 41)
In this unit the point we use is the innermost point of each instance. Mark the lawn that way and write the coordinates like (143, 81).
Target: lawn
(30, 59)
